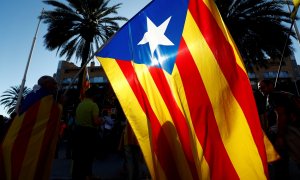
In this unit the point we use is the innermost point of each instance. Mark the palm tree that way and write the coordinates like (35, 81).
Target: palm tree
(259, 29)
(80, 27)
(10, 96)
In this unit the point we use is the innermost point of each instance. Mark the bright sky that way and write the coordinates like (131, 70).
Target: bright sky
(18, 24)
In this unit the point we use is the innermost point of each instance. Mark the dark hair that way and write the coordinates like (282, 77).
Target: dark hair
(91, 92)
(13, 115)
(267, 82)
(44, 79)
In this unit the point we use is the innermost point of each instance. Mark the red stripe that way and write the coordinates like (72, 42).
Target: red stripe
(235, 76)
(178, 119)
(50, 137)
(203, 118)
(21, 142)
(159, 139)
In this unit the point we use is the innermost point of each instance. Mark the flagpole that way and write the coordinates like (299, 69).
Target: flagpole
(282, 53)
(293, 17)
(26, 68)
(84, 65)
(295, 24)
(77, 74)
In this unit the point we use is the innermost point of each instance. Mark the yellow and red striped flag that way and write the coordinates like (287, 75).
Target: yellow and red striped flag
(184, 90)
(28, 148)
(85, 83)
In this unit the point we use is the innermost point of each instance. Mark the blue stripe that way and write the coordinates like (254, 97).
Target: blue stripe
(32, 98)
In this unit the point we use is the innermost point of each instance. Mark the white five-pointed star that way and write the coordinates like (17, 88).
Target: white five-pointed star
(156, 35)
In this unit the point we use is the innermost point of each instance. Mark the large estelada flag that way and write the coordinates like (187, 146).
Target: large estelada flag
(28, 148)
(183, 87)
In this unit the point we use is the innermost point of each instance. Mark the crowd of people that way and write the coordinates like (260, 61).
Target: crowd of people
(88, 132)
(92, 132)
(280, 120)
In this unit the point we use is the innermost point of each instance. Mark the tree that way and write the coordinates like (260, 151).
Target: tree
(259, 29)
(79, 28)
(10, 96)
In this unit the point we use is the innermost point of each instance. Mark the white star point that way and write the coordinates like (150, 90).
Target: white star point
(155, 36)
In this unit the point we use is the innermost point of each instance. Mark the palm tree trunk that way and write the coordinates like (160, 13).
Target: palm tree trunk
(85, 56)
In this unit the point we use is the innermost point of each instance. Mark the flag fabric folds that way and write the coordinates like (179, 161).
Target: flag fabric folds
(296, 3)
(182, 85)
(295, 9)
(28, 148)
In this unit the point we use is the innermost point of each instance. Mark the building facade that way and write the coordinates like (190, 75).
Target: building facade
(288, 78)
(67, 80)
(67, 71)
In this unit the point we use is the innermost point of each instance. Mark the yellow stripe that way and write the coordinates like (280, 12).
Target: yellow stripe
(232, 124)
(155, 101)
(52, 145)
(36, 139)
(215, 12)
(162, 113)
(296, 3)
(272, 155)
(8, 142)
(132, 110)
(201, 163)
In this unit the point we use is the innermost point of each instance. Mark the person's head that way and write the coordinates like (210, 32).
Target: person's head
(265, 86)
(48, 83)
(13, 115)
(91, 92)
(105, 112)
(1, 120)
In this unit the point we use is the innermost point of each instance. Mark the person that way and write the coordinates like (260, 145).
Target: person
(282, 116)
(108, 122)
(132, 153)
(34, 131)
(47, 85)
(108, 131)
(2, 128)
(69, 133)
(261, 107)
(87, 121)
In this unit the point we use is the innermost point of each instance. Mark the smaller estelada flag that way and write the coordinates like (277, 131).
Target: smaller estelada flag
(28, 148)
(85, 83)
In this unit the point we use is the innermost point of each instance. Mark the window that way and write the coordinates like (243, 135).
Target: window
(283, 74)
(98, 79)
(251, 75)
(69, 80)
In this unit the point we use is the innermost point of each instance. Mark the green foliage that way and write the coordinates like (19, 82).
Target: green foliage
(259, 28)
(9, 98)
(80, 27)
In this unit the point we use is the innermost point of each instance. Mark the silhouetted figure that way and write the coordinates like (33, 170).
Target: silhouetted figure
(283, 129)
(85, 136)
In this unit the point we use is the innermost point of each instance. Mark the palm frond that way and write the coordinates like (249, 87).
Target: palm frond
(10, 96)
(253, 25)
